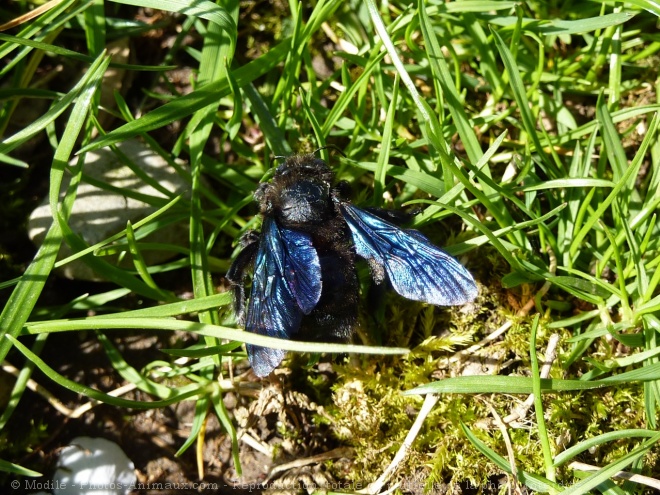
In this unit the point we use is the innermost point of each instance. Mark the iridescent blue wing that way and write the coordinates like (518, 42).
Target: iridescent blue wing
(416, 268)
(286, 285)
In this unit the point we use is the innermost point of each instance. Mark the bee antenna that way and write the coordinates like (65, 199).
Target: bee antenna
(333, 146)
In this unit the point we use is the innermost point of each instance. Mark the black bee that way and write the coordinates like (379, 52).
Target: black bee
(305, 284)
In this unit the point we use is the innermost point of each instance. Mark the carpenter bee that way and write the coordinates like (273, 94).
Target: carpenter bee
(305, 285)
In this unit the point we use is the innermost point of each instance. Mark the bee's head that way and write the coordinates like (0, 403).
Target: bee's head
(299, 194)
(301, 167)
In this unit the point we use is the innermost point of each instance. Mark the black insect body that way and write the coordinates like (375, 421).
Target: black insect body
(304, 283)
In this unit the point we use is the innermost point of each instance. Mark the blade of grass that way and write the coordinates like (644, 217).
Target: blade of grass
(550, 473)
(66, 53)
(523, 385)
(176, 308)
(139, 263)
(130, 374)
(593, 442)
(28, 132)
(25, 294)
(203, 9)
(386, 144)
(182, 393)
(620, 185)
(519, 94)
(201, 410)
(531, 480)
(607, 472)
(163, 324)
(188, 104)
(441, 71)
(10, 467)
(21, 382)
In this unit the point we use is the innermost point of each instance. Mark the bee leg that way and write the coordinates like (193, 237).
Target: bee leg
(238, 272)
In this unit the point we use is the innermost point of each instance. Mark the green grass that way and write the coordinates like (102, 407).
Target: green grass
(527, 132)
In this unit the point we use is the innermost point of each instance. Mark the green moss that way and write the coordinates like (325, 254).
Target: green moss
(370, 414)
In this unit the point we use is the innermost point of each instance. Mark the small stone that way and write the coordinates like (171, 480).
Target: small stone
(100, 213)
(93, 466)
